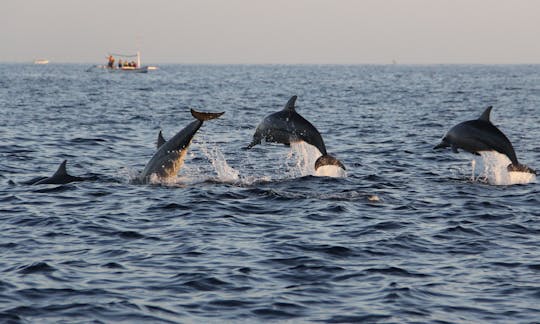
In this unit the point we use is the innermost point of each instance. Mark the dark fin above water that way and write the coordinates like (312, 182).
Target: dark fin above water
(202, 116)
(61, 172)
(485, 114)
(59, 177)
(160, 140)
(290, 104)
(520, 168)
(328, 160)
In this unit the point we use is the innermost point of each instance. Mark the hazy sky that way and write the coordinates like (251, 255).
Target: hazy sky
(273, 31)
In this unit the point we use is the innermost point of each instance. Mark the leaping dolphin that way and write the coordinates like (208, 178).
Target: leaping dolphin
(288, 126)
(169, 157)
(59, 177)
(481, 135)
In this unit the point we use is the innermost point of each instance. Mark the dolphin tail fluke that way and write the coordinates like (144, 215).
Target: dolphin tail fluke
(520, 168)
(328, 160)
(202, 116)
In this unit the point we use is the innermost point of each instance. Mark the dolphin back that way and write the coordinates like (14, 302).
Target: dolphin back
(60, 176)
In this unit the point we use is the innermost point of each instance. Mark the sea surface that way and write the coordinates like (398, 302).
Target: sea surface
(406, 235)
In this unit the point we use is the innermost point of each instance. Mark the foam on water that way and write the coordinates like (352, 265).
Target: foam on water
(493, 168)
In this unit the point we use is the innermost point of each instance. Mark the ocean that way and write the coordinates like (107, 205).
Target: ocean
(406, 234)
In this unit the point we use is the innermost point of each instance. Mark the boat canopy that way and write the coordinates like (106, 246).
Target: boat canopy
(137, 55)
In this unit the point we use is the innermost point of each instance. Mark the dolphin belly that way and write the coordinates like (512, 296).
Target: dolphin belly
(169, 158)
(165, 166)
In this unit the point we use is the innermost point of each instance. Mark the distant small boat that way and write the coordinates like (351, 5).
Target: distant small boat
(123, 64)
(41, 61)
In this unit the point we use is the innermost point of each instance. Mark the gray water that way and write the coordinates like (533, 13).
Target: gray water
(407, 236)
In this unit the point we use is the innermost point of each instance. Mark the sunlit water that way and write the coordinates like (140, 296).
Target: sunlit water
(404, 234)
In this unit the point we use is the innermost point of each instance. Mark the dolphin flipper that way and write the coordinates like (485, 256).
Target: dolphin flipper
(253, 143)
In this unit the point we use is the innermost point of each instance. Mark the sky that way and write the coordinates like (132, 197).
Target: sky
(273, 31)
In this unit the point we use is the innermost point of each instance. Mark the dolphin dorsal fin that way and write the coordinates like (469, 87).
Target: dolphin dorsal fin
(61, 170)
(485, 114)
(290, 103)
(160, 140)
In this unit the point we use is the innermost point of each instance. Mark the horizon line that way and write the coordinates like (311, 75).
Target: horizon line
(287, 63)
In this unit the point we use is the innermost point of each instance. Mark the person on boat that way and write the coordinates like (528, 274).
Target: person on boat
(120, 63)
(111, 61)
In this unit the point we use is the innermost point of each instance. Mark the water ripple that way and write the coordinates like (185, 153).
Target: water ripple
(409, 235)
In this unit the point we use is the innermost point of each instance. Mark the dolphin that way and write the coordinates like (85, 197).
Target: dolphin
(288, 126)
(170, 154)
(481, 135)
(59, 177)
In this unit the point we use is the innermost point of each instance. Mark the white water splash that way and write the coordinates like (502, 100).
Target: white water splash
(331, 171)
(305, 155)
(299, 162)
(493, 168)
(225, 173)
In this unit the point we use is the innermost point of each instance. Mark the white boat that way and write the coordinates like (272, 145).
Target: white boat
(41, 61)
(124, 64)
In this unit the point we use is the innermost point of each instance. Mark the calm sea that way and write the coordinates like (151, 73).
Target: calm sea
(407, 236)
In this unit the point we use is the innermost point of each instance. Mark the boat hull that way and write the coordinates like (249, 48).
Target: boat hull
(143, 69)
